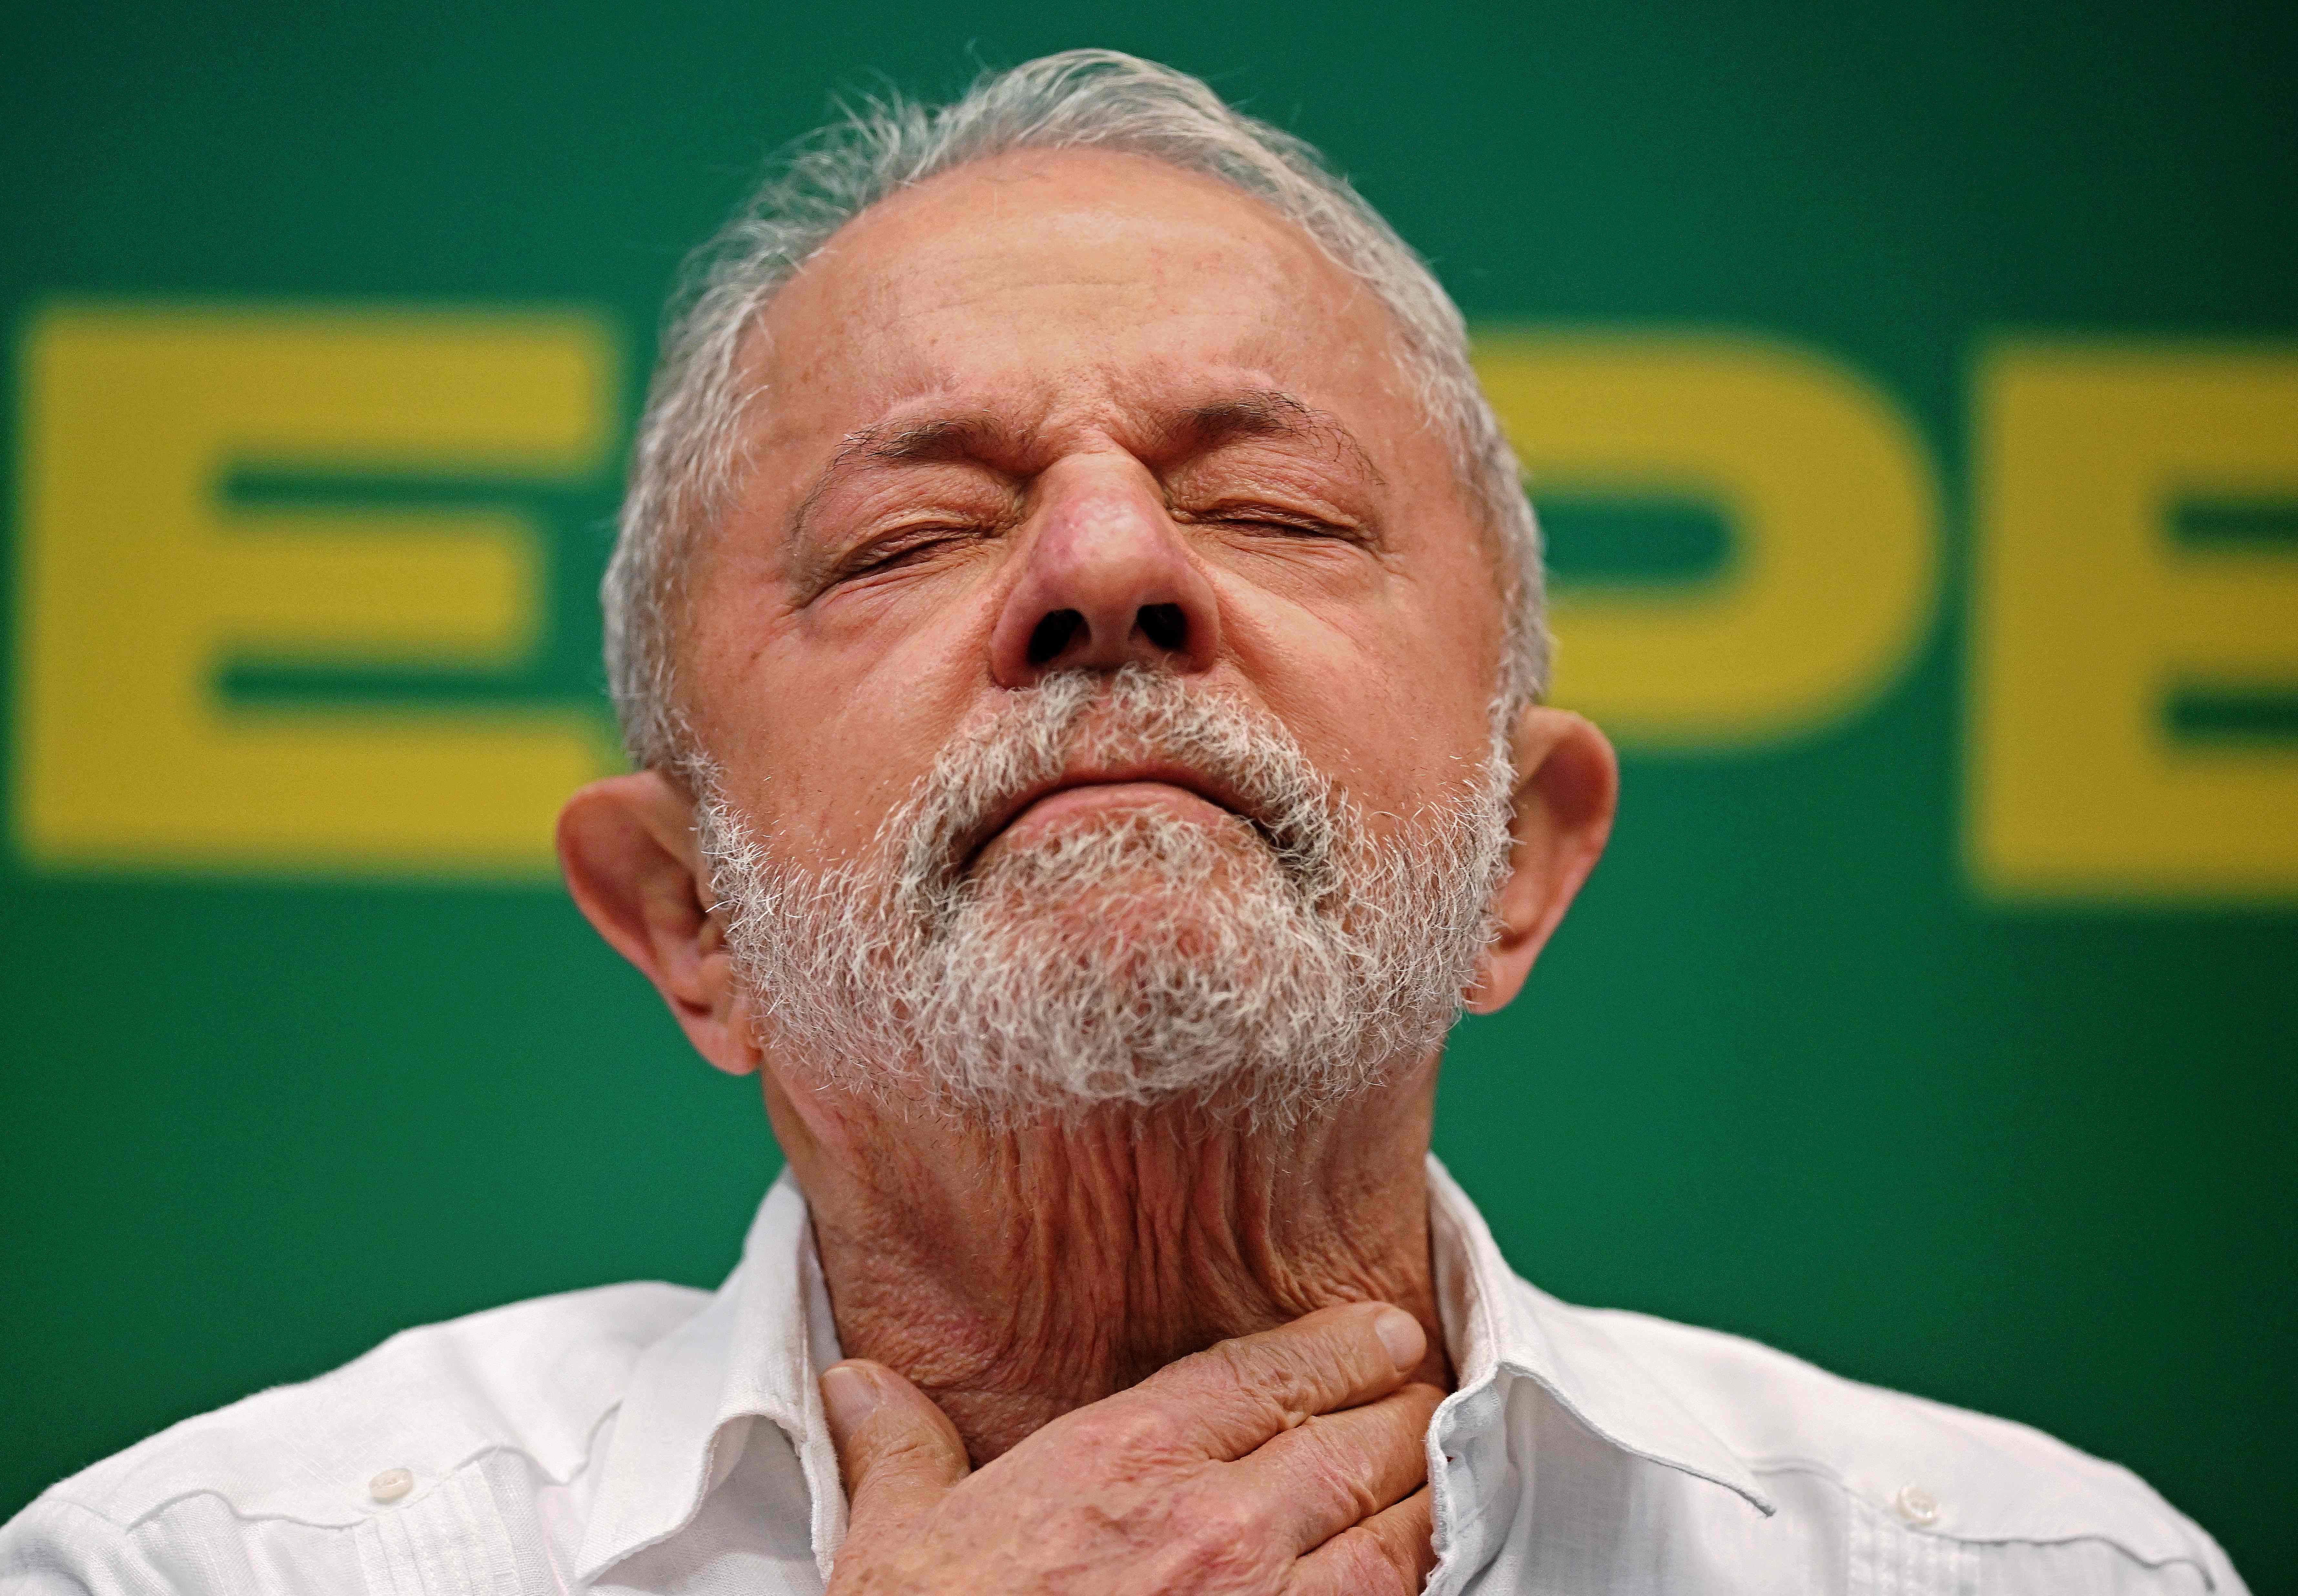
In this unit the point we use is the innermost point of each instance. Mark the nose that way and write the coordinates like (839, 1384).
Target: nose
(1105, 582)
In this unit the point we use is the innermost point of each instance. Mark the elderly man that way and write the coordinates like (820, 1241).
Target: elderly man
(1078, 630)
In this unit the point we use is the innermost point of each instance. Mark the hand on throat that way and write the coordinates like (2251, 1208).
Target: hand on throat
(1016, 1275)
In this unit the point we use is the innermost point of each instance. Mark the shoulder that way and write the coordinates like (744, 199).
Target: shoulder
(535, 1378)
(1952, 1474)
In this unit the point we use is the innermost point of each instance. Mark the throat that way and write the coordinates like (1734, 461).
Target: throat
(1018, 1275)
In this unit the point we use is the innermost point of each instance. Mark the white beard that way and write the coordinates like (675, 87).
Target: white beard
(1263, 968)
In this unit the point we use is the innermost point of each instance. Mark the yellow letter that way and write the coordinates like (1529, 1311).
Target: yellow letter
(139, 585)
(1829, 499)
(2088, 616)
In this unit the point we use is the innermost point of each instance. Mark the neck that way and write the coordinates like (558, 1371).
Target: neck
(1015, 1274)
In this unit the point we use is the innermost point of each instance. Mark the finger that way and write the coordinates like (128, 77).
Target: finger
(1338, 1469)
(897, 1453)
(1226, 1400)
(1389, 1554)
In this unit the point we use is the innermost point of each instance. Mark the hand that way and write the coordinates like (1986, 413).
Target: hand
(1288, 1462)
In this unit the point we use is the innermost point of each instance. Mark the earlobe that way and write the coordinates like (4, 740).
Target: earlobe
(1567, 790)
(628, 848)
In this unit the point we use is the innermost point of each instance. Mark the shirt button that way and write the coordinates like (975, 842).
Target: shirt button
(391, 1484)
(1917, 1506)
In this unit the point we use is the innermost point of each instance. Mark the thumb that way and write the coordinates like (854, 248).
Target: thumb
(897, 1453)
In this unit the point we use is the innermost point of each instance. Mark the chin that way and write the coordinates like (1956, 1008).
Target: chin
(1136, 944)
(1197, 906)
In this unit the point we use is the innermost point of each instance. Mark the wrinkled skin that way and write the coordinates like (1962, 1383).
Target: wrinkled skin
(1080, 410)
(1286, 1461)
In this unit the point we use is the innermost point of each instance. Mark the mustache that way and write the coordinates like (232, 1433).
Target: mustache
(991, 770)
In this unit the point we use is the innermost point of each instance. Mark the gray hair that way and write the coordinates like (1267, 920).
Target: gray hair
(687, 454)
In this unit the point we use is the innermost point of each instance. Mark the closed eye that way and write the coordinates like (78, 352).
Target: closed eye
(1275, 518)
(911, 545)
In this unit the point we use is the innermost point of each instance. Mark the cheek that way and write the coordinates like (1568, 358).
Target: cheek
(823, 728)
(1388, 697)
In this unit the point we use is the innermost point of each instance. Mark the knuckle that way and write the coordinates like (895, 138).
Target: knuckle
(1229, 1521)
(1291, 1390)
(1338, 1474)
(1227, 1539)
(1289, 1383)
(1133, 1435)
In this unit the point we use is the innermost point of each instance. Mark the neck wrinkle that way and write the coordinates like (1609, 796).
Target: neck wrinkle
(1014, 1275)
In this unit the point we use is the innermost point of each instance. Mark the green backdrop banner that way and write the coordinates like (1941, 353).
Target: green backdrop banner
(1912, 397)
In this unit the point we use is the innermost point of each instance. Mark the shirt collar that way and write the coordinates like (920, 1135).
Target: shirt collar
(758, 1347)
(755, 1352)
(1501, 1329)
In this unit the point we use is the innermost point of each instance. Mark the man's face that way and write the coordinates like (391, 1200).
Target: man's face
(1097, 662)
(1053, 382)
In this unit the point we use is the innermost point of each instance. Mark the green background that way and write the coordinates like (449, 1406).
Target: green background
(1784, 1072)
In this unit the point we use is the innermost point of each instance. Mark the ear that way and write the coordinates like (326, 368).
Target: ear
(1567, 788)
(628, 847)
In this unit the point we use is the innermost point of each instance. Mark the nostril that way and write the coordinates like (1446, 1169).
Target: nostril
(1167, 626)
(1054, 634)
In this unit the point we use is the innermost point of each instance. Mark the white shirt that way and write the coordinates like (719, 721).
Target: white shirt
(655, 1438)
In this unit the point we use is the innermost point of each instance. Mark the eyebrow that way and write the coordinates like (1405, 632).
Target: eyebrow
(965, 436)
(1273, 413)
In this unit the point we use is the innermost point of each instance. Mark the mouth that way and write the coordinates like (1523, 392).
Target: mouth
(1149, 784)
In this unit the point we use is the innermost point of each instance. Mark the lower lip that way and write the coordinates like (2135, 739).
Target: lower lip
(1073, 802)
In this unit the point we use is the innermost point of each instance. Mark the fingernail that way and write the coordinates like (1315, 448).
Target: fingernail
(850, 1396)
(1401, 1335)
